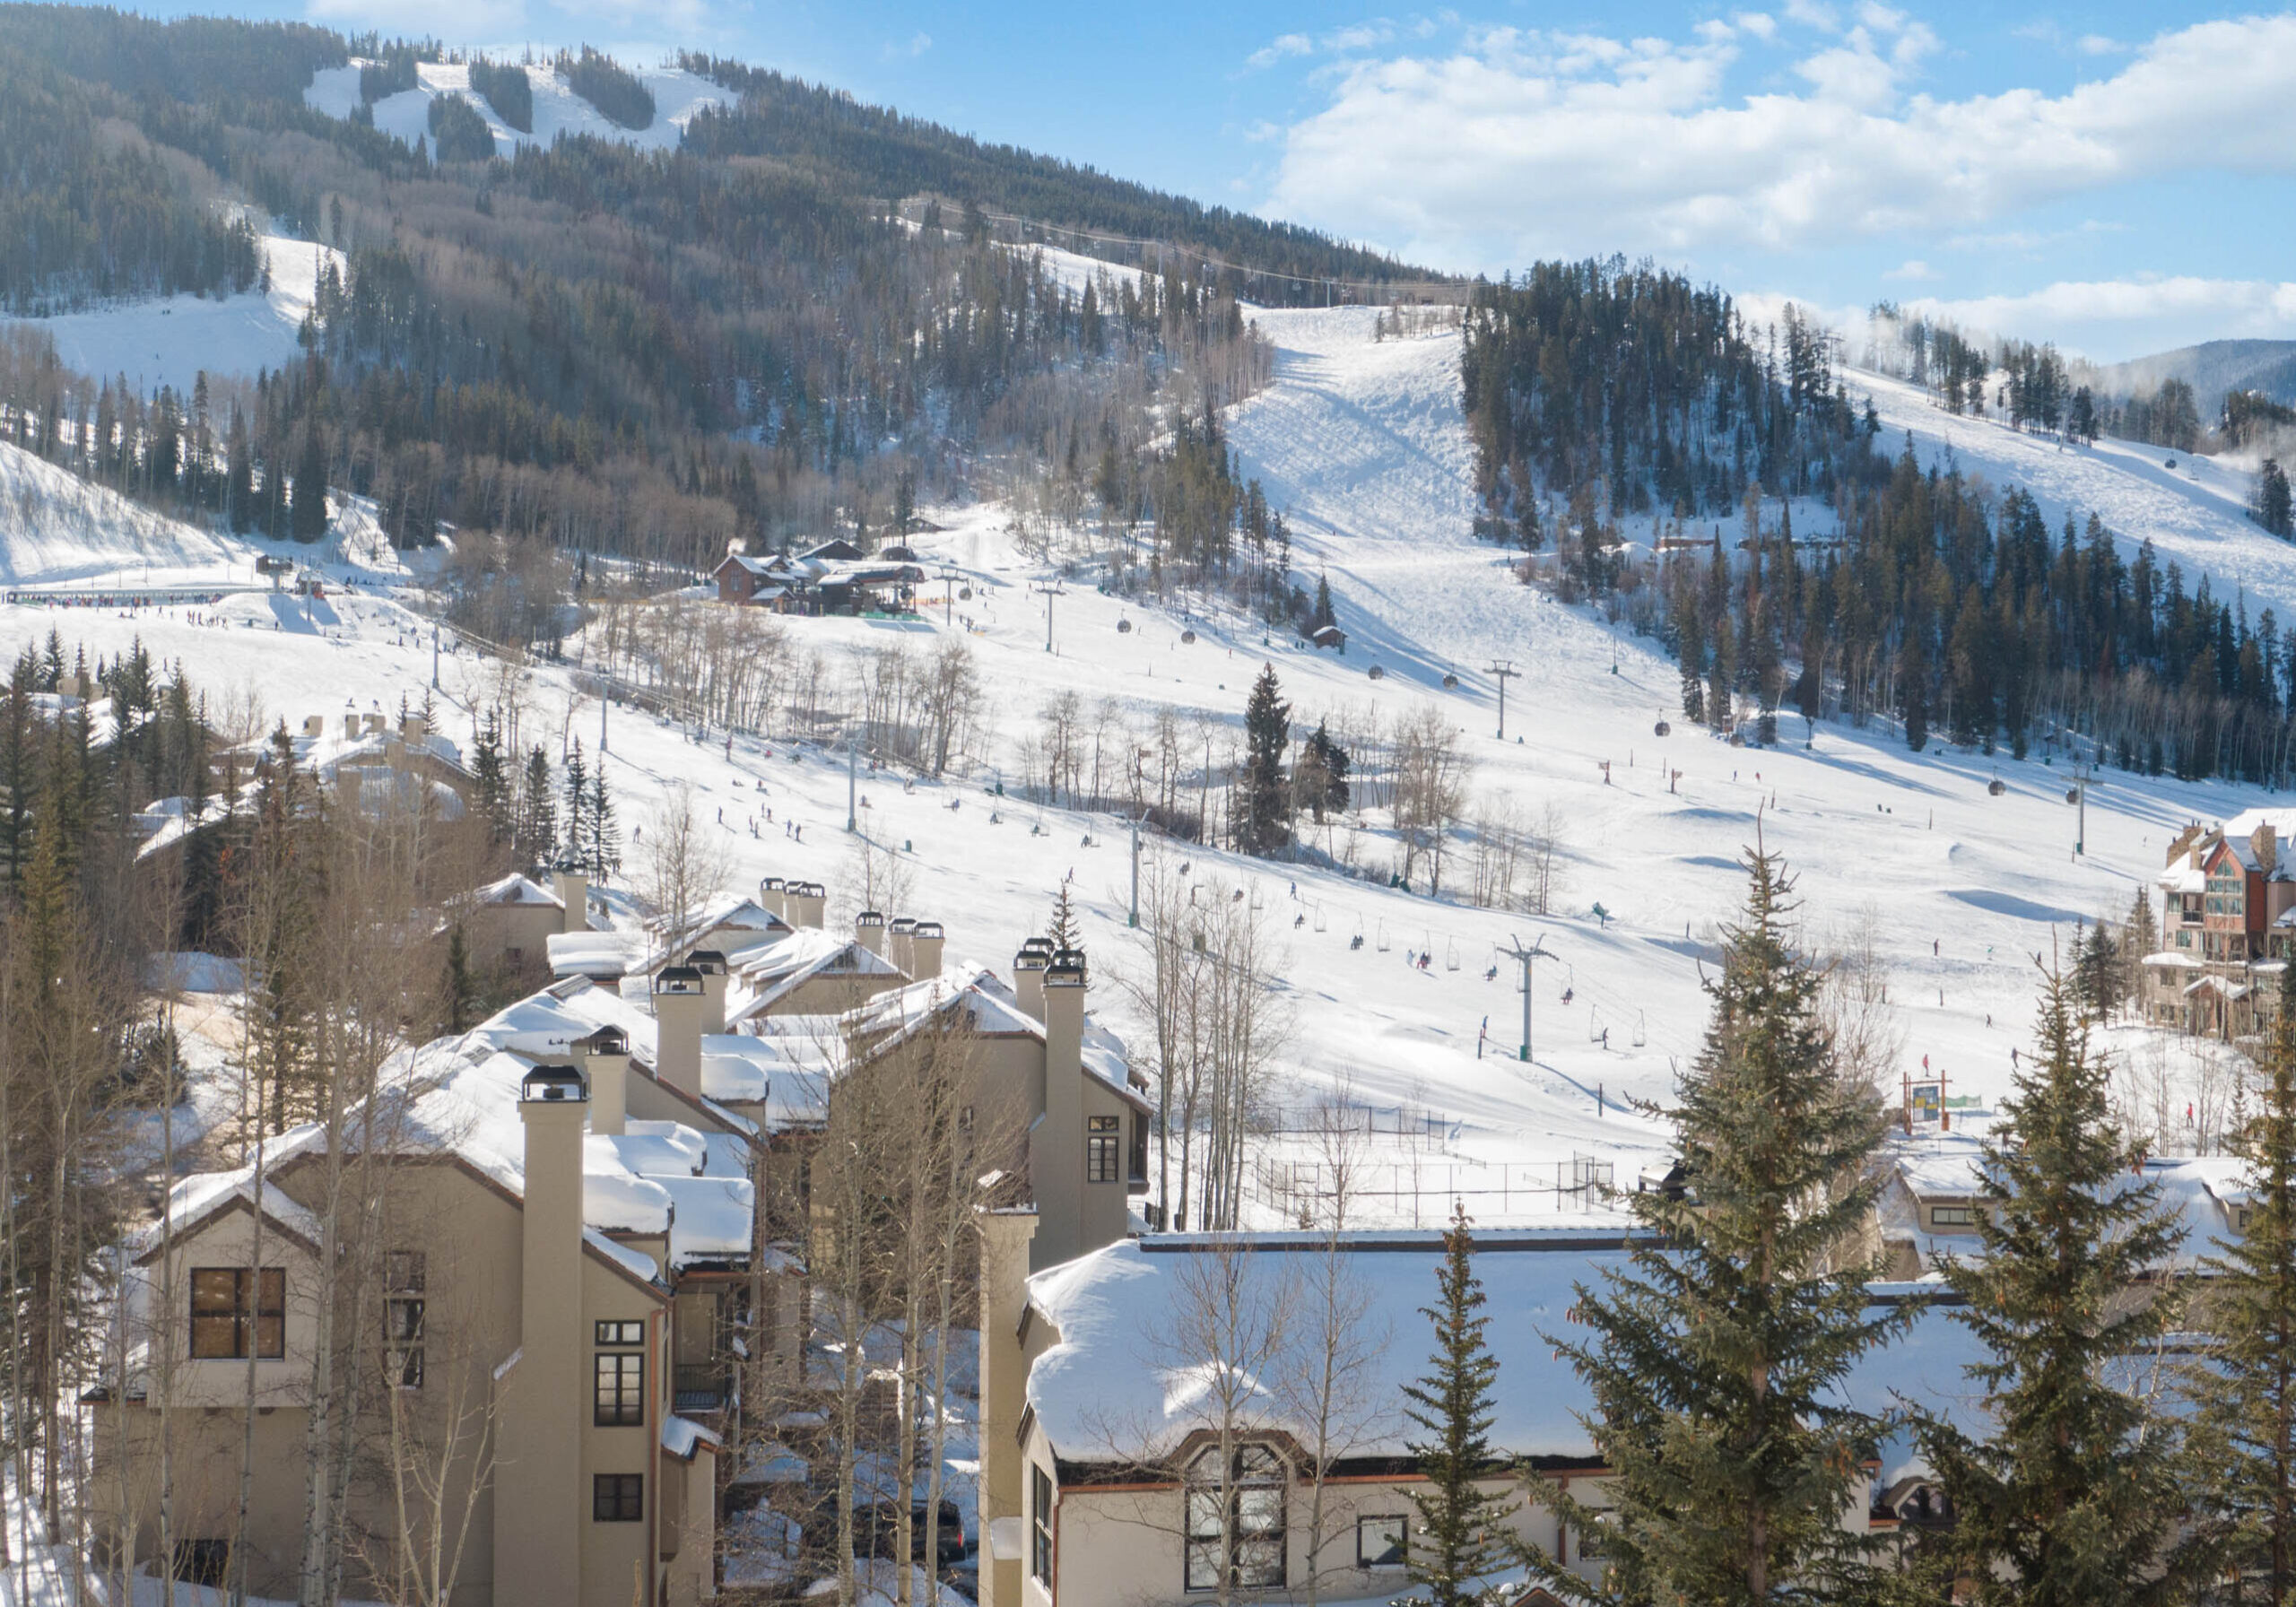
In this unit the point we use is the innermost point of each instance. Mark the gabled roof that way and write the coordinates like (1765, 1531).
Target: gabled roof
(515, 889)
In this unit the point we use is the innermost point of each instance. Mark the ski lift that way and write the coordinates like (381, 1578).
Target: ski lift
(1123, 627)
(1642, 1029)
(1451, 681)
(1257, 900)
(1594, 1022)
(1378, 673)
(1383, 937)
(1995, 788)
(1187, 639)
(1451, 955)
(964, 593)
(1319, 917)
(1661, 729)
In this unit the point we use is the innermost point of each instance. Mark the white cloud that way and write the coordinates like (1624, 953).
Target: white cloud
(1522, 143)
(2231, 306)
(1813, 14)
(1913, 268)
(2097, 44)
(1278, 48)
(1758, 23)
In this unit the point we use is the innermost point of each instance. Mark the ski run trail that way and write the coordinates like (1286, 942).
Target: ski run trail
(1362, 443)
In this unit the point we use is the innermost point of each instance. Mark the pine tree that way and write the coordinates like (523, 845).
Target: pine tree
(2140, 936)
(1263, 823)
(490, 780)
(458, 991)
(307, 516)
(536, 834)
(2068, 1500)
(1323, 613)
(1720, 1345)
(1460, 1537)
(1064, 933)
(577, 800)
(605, 855)
(2243, 1434)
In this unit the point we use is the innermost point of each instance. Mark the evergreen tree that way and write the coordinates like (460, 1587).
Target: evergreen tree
(2141, 936)
(490, 778)
(459, 990)
(536, 833)
(1262, 823)
(1320, 776)
(1720, 1346)
(1460, 1537)
(2243, 1434)
(1324, 614)
(605, 854)
(2275, 505)
(577, 801)
(2069, 1499)
(306, 516)
(1064, 933)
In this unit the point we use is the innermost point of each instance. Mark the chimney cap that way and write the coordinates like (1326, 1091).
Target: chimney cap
(1065, 973)
(567, 864)
(869, 918)
(677, 979)
(1069, 957)
(771, 884)
(902, 923)
(1029, 959)
(553, 1084)
(709, 962)
(928, 929)
(606, 1040)
(1037, 945)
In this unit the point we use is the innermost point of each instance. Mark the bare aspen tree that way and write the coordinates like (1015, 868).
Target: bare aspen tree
(683, 865)
(1432, 772)
(1338, 1334)
(1543, 855)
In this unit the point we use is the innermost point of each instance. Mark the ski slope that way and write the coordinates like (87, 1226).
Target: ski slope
(169, 339)
(1362, 443)
(678, 96)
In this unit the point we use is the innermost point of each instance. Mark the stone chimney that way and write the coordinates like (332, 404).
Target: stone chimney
(2182, 842)
(350, 726)
(925, 950)
(572, 883)
(540, 1494)
(412, 730)
(604, 1057)
(808, 902)
(1004, 1375)
(2265, 842)
(315, 724)
(769, 898)
(869, 927)
(899, 947)
(1028, 974)
(681, 997)
(711, 964)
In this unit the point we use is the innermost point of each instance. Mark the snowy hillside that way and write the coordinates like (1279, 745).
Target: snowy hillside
(1362, 442)
(678, 95)
(169, 339)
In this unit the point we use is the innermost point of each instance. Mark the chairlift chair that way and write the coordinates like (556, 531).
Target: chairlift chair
(1319, 917)
(1451, 955)
(1383, 937)
(1642, 1029)
(1594, 1022)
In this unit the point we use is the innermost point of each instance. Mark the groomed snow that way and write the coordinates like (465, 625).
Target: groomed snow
(678, 96)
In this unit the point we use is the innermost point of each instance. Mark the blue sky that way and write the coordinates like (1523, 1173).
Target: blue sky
(2114, 176)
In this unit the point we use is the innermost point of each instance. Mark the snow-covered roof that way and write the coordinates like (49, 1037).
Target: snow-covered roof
(681, 1437)
(515, 889)
(772, 972)
(199, 1198)
(1117, 1386)
(898, 1014)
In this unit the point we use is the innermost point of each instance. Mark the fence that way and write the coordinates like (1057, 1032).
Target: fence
(1421, 1194)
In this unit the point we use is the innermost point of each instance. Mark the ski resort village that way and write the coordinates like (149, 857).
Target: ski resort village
(750, 852)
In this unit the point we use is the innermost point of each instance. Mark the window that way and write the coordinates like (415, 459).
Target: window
(621, 1391)
(223, 1318)
(1039, 1525)
(1235, 1519)
(403, 1271)
(403, 1340)
(1139, 1147)
(618, 1498)
(1381, 1542)
(622, 1333)
(1102, 1162)
(204, 1562)
(1952, 1216)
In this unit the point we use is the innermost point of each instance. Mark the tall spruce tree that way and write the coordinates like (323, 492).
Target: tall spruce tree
(1719, 1345)
(306, 515)
(602, 849)
(2243, 1434)
(490, 778)
(2070, 1498)
(577, 801)
(1460, 1540)
(1264, 823)
(537, 836)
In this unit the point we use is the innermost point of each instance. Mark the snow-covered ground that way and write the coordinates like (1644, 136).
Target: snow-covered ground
(168, 340)
(678, 95)
(1362, 442)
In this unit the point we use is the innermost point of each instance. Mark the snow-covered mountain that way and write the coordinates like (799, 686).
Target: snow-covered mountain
(1363, 441)
(678, 96)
